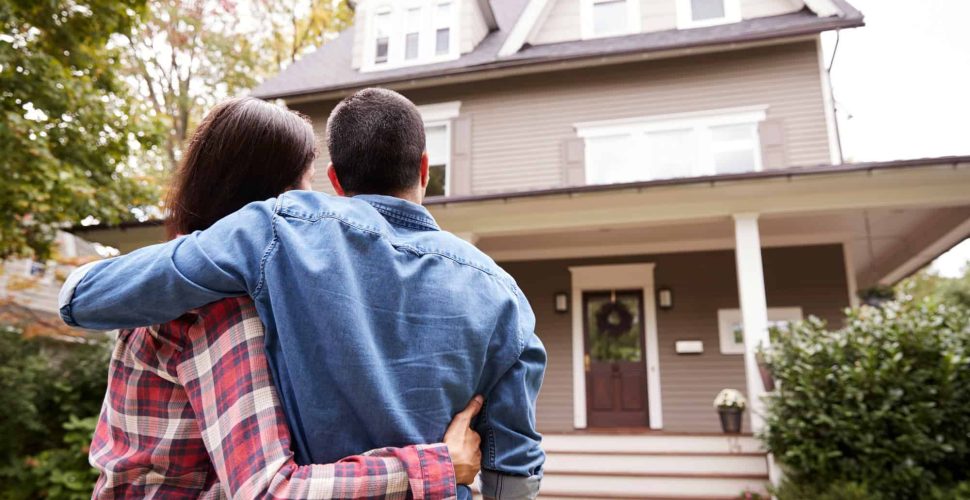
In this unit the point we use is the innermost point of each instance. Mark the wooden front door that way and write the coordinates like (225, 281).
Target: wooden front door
(616, 375)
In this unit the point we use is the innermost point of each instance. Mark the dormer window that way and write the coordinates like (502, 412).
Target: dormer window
(699, 13)
(409, 32)
(602, 18)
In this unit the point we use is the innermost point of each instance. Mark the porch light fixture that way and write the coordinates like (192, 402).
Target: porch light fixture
(562, 302)
(665, 298)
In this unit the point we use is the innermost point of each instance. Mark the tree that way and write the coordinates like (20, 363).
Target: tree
(928, 284)
(188, 54)
(69, 126)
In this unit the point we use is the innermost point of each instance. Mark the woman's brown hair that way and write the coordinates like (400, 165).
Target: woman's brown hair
(245, 150)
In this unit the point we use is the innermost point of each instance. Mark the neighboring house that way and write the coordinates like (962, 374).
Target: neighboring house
(651, 172)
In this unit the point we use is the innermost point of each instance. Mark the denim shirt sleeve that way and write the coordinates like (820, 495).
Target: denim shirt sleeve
(159, 283)
(512, 458)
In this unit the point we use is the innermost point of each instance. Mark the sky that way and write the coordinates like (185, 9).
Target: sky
(902, 87)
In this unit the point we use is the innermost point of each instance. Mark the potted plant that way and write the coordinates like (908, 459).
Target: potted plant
(730, 404)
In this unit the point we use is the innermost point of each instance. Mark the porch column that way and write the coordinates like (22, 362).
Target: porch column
(754, 308)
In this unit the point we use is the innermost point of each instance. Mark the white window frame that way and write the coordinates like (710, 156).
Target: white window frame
(398, 32)
(435, 115)
(701, 122)
(685, 15)
(634, 24)
(728, 318)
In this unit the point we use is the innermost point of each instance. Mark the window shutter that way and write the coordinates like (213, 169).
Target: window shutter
(772, 136)
(574, 159)
(461, 157)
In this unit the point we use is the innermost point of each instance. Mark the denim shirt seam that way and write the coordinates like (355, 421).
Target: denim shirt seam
(269, 248)
(404, 217)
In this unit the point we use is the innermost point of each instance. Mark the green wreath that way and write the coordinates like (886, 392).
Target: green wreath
(614, 319)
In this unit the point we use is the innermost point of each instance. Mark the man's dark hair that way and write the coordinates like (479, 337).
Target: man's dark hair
(376, 139)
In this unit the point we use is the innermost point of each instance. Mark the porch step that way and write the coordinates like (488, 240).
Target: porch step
(652, 466)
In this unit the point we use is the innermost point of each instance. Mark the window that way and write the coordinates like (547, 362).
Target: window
(439, 157)
(672, 146)
(442, 22)
(698, 13)
(411, 32)
(731, 331)
(381, 36)
(610, 17)
(437, 129)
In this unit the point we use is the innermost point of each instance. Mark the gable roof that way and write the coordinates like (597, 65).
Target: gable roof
(329, 69)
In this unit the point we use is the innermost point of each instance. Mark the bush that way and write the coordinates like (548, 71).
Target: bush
(52, 394)
(878, 409)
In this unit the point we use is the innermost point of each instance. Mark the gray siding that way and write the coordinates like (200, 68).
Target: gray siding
(521, 125)
(812, 278)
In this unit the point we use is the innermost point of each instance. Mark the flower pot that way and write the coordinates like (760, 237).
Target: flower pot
(730, 419)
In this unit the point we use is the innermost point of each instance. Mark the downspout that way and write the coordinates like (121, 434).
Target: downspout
(835, 107)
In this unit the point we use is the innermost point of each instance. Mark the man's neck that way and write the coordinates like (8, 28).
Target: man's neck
(413, 196)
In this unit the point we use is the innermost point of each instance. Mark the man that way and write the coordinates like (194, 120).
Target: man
(379, 326)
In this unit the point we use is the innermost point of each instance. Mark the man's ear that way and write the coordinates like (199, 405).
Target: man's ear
(334, 181)
(425, 174)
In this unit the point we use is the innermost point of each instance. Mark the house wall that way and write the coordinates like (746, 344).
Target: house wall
(562, 21)
(520, 128)
(812, 278)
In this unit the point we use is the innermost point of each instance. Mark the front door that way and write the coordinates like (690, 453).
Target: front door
(616, 375)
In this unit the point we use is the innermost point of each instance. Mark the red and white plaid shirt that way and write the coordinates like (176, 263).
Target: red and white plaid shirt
(191, 412)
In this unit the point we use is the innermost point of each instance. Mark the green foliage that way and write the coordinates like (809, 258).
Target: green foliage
(66, 123)
(927, 284)
(52, 396)
(878, 408)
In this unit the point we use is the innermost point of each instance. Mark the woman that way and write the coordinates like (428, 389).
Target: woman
(191, 411)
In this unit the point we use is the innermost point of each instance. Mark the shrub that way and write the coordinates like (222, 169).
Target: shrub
(52, 394)
(878, 409)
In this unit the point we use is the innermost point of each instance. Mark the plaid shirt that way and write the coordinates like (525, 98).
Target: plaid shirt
(191, 412)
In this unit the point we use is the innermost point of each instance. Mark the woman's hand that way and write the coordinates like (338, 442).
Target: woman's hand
(463, 443)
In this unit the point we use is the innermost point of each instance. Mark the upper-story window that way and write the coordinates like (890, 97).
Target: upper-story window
(698, 13)
(403, 33)
(602, 18)
(664, 147)
(437, 130)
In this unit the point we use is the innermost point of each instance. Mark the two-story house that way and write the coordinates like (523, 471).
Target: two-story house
(663, 179)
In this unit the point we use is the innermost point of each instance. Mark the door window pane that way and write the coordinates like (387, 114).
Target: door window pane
(672, 154)
(703, 10)
(611, 159)
(609, 17)
(614, 326)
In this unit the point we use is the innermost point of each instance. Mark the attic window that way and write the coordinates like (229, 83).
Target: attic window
(411, 32)
(601, 18)
(699, 13)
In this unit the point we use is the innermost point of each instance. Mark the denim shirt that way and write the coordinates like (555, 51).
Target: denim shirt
(379, 326)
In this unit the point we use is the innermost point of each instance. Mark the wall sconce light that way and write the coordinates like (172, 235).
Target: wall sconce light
(665, 298)
(562, 302)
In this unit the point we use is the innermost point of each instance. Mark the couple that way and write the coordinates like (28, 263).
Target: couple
(363, 325)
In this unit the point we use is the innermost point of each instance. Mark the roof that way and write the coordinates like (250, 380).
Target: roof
(330, 69)
(790, 172)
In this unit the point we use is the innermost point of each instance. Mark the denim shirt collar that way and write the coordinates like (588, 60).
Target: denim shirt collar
(401, 212)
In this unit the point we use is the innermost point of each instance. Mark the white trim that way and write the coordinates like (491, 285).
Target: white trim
(523, 27)
(447, 125)
(683, 246)
(711, 117)
(754, 309)
(829, 102)
(728, 318)
(587, 21)
(850, 276)
(685, 15)
(616, 277)
(440, 111)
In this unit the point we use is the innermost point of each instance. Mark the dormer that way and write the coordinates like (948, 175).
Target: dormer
(569, 20)
(391, 34)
